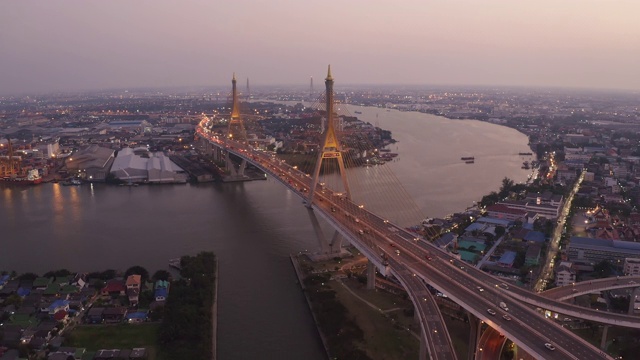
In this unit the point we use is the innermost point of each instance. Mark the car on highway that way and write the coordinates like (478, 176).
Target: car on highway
(360, 232)
(397, 252)
(392, 244)
(491, 312)
(503, 306)
(428, 257)
(480, 289)
(504, 286)
(506, 317)
(549, 346)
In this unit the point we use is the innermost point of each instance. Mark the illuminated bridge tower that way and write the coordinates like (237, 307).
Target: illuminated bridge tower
(236, 132)
(330, 146)
(330, 149)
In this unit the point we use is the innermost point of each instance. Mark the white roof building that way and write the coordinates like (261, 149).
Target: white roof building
(157, 168)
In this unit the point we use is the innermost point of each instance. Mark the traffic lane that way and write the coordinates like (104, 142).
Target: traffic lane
(490, 345)
(518, 329)
(432, 323)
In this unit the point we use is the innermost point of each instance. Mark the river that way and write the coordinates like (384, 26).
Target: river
(252, 227)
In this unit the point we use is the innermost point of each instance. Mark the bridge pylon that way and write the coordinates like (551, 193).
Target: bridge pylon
(235, 131)
(330, 147)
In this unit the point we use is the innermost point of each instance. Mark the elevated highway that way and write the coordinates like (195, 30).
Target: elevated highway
(461, 283)
(591, 286)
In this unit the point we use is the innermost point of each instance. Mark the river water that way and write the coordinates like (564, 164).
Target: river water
(252, 227)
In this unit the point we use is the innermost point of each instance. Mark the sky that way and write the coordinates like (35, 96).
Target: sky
(72, 45)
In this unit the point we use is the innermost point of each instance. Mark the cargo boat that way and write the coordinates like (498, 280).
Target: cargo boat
(33, 178)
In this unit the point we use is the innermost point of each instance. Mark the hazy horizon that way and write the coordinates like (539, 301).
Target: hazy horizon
(72, 46)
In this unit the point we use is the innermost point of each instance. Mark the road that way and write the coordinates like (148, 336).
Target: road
(456, 279)
(547, 270)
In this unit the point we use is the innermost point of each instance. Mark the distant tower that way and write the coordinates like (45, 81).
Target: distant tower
(330, 147)
(311, 87)
(248, 90)
(236, 126)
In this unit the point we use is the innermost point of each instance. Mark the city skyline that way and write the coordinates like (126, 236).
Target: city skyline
(71, 46)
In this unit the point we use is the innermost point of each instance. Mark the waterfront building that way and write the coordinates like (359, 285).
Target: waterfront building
(156, 168)
(91, 163)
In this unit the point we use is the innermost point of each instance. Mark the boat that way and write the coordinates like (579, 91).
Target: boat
(467, 158)
(525, 153)
(525, 165)
(358, 112)
(175, 263)
(70, 182)
(469, 162)
(33, 178)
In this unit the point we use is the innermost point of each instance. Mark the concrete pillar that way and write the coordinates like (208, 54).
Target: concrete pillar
(603, 341)
(371, 276)
(322, 240)
(632, 300)
(474, 335)
(336, 242)
(243, 165)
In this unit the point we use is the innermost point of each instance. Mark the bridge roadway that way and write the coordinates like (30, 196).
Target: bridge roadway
(525, 327)
(590, 286)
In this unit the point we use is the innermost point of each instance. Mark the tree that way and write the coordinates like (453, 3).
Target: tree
(161, 275)
(603, 269)
(57, 273)
(28, 276)
(137, 270)
(507, 185)
(500, 231)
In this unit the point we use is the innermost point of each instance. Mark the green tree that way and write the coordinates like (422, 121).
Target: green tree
(507, 185)
(28, 276)
(161, 275)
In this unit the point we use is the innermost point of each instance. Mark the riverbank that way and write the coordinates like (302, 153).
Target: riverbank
(371, 324)
(214, 316)
(300, 276)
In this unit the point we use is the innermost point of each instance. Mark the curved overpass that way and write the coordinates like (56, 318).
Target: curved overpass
(525, 327)
(590, 286)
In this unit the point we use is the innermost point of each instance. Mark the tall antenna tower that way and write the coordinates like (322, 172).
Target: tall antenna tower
(311, 87)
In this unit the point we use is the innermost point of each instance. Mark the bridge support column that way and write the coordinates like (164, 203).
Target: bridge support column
(231, 168)
(322, 241)
(336, 243)
(243, 165)
(371, 276)
(475, 332)
(603, 341)
(632, 300)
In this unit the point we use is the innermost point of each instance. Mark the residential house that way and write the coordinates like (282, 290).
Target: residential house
(161, 290)
(565, 275)
(114, 287)
(41, 283)
(532, 256)
(114, 314)
(133, 289)
(94, 315)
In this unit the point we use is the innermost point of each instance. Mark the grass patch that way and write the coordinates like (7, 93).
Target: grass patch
(124, 336)
(459, 333)
(385, 339)
(381, 299)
